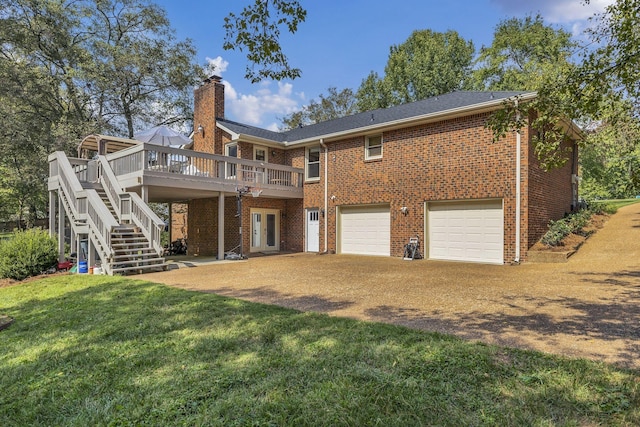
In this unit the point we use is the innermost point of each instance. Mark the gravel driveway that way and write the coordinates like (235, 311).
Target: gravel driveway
(588, 307)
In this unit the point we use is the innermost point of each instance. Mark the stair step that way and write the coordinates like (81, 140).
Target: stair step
(134, 257)
(128, 239)
(129, 268)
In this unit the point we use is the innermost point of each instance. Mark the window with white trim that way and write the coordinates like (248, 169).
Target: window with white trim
(231, 150)
(312, 160)
(373, 147)
(260, 153)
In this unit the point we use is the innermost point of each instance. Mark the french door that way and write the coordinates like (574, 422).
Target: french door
(265, 230)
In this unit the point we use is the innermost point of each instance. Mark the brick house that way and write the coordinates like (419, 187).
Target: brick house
(375, 179)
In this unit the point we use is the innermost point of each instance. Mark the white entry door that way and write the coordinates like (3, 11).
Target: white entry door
(313, 230)
(265, 230)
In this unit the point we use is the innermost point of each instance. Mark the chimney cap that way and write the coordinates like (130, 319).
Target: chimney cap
(214, 78)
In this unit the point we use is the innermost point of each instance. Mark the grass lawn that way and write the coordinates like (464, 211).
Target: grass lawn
(618, 203)
(98, 350)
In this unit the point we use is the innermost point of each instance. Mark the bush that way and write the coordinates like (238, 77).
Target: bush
(27, 253)
(574, 223)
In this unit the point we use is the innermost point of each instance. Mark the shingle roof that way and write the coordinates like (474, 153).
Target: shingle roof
(434, 105)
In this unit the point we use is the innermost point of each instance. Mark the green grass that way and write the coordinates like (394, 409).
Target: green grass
(97, 350)
(618, 203)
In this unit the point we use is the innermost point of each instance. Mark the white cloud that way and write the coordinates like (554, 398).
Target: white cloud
(555, 11)
(264, 104)
(216, 66)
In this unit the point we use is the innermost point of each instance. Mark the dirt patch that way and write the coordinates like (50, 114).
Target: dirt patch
(5, 283)
(5, 321)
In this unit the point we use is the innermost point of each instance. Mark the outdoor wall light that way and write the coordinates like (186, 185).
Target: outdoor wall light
(201, 130)
(404, 210)
(322, 212)
(273, 152)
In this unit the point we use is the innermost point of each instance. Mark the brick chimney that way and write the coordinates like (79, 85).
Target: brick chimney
(208, 105)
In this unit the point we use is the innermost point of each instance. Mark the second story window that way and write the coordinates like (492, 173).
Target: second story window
(313, 164)
(231, 150)
(259, 154)
(373, 147)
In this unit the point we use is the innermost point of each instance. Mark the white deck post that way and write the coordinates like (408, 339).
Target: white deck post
(52, 213)
(61, 230)
(221, 225)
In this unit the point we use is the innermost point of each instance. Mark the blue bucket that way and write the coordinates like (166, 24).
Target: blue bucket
(83, 267)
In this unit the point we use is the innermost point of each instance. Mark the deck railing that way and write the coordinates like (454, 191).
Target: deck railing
(149, 157)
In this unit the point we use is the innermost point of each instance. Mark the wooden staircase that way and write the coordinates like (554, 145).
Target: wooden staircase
(133, 252)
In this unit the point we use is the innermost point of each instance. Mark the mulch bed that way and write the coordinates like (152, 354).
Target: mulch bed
(573, 241)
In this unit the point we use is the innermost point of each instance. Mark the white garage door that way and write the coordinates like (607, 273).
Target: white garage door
(365, 230)
(466, 231)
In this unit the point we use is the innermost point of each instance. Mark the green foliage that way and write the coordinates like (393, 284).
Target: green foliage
(522, 50)
(427, 64)
(98, 350)
(257, 30)
(27, 253)
(610, 158)
(614, 66)
(74, 67)
(574, 223)
(528, 55)
(334, 105)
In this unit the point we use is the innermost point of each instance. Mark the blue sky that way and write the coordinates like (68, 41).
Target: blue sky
(341, 42)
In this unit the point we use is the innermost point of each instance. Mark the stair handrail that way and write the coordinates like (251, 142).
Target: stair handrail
(70, 185)
(101, 224)
(111, 185)
(131, 207)
(150, 224)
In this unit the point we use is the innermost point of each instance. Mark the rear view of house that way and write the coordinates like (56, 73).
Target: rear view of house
(363, 184)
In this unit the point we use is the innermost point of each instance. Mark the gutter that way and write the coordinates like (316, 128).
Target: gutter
(518, 202)
(326, 180)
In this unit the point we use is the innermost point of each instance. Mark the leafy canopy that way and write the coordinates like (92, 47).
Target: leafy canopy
(256, 30)
(332, 106)
(427, 64)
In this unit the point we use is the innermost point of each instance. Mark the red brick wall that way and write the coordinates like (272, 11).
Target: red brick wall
(179, 221)
(203, 227)
(550, 193)
(451, 160)
(208, 104)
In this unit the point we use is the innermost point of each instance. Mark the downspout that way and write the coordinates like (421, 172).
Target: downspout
(518, 167)
(326, 180)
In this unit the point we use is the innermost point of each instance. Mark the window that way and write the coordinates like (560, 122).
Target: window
(373, 147)
(259, 154)
(313, 164)
(231, 150)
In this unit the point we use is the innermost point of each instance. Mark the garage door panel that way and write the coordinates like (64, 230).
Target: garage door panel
(466, 231)
(365, 230)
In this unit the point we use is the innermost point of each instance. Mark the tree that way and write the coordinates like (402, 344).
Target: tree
(608, 72)
(257, 30)
(427, 64)
(334, 105)
(140, 74)
(610, 158)
(614, 66)
(522, 51)
(73, 67)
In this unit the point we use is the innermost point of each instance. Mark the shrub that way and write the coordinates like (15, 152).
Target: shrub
(558, 230)
(27, 253)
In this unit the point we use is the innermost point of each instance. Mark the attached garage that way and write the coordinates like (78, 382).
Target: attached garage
(365, 230)
(466, 231)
